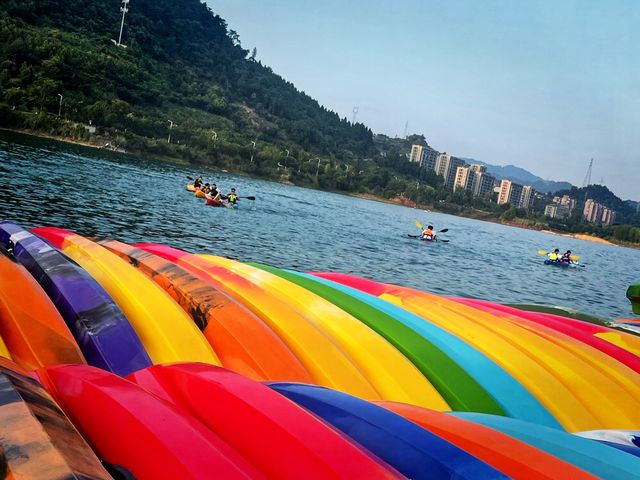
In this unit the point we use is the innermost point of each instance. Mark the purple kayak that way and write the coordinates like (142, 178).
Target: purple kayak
(104, 334)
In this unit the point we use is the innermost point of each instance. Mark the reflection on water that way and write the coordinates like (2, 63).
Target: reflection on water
(104, 194)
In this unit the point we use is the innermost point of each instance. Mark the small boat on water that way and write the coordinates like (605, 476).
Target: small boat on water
(557, 263)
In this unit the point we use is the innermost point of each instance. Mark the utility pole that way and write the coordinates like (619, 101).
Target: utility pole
(124, 9)
(252, 150)
(318, 170)
(406, 128)
(60, 107)
(170, 127)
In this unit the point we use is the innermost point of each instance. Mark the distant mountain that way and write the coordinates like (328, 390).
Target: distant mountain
(525, 177)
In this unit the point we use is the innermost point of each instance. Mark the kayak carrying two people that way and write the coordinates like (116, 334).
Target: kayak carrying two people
(566, 257)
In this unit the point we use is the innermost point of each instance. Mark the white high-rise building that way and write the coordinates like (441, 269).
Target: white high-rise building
(464, 178)
(424, 155)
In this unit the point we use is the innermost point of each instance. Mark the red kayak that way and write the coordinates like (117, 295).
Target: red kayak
(126, 425)
(281, 439)
(215, 203)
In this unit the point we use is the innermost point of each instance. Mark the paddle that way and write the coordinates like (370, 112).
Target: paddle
(544, 252)
(189, 178)
(419, 225)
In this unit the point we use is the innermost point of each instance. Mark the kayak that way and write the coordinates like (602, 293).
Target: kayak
(419, 237)
(559, 264)
(127, 425)
(190, 187)
(31, 327)
(200, 194)
(633, 294)
(217, 203)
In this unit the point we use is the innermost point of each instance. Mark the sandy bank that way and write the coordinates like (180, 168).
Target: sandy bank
(580, 236)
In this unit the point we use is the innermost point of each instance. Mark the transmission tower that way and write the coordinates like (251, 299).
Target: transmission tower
(355, 114)
(124, 9)
(587, 177)
(406, 128)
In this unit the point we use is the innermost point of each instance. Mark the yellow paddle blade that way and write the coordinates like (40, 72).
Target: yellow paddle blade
(542, 252)
(575, 257)
(418, 224)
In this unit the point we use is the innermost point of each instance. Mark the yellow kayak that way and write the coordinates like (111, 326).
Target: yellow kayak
(392, 375)
(190, 187)
(582, 387)
(326, 362)
(3, 350)
(200, 194)
(166, 331)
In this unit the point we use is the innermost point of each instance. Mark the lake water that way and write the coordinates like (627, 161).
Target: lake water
(99, 193)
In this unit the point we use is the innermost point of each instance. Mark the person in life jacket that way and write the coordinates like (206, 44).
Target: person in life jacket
(555, 255)
(214, 193)
(198, 182)
(232, 197)
(427, 233)
(566, 257)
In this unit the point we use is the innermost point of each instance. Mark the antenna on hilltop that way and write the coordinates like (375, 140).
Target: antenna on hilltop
(587, 177)
(406, 128)
(124, 9)
(355, 113)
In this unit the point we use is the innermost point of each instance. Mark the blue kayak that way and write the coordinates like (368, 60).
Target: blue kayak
(556, 263)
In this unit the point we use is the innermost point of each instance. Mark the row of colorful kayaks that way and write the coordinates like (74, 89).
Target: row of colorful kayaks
(198, 193)
(145, 361)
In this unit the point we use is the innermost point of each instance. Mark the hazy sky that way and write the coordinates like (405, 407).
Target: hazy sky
(542, 84)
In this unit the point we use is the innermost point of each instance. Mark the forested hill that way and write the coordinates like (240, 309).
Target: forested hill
(182, 63)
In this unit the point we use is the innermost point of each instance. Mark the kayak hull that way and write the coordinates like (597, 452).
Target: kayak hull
(32, 329)
(559, 264)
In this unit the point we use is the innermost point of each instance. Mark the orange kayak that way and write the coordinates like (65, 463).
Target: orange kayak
(199, 193)
(32, 329)
(243, 341)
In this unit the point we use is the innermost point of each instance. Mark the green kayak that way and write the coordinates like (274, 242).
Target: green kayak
(633, 294)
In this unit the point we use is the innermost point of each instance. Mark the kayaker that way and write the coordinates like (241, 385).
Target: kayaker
(555, 255)
(206, 188)
(197, 182)
(566, 257)
(214, 193)
(427, 233)
(232, 198)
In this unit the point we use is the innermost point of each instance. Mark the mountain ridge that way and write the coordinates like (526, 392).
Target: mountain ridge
(522, 175)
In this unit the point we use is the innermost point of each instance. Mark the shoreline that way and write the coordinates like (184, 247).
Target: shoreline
(99, 144)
